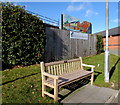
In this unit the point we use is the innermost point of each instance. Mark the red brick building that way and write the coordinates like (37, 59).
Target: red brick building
(114, 38)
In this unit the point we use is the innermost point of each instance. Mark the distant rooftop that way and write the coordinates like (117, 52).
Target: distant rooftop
(113, 31)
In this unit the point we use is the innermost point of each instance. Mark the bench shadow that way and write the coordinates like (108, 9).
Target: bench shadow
(18, 79)
(71, 88)
(113, 68)
(97, 73)
(78, 84)
(74, 86)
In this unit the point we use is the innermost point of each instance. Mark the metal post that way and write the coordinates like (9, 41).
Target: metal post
(61, 21)
(106, 69)
(76, 47)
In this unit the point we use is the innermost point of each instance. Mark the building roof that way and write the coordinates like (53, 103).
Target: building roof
(113, 31)
(49, 25)
(74, 22)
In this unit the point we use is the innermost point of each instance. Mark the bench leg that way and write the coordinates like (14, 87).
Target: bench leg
(43, 89)
(92, 78)
(55, 90)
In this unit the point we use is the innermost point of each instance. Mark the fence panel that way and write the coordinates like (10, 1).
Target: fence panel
(59, 46)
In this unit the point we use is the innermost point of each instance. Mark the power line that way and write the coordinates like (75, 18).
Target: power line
(45, 18)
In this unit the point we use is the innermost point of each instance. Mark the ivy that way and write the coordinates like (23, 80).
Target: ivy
(99, 45)
(23, 37)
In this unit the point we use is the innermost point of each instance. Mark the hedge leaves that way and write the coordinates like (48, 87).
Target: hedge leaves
(23, 37)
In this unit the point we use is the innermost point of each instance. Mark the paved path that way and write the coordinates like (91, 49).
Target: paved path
(115, 52)
(91, 94)
(116, 99)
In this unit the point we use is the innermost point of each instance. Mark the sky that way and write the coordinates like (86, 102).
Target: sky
(94, 12)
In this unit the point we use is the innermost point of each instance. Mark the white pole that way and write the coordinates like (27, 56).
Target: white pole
(106, 69)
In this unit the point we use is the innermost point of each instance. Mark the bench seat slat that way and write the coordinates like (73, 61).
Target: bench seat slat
(75, 75)
(67, 77)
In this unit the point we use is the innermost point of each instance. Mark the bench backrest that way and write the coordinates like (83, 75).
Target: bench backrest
(60, 67)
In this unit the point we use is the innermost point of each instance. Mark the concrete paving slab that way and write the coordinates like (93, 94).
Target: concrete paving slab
(90, 94)
(93, 100)
(115, 99)
(78, 97)
(103, 94)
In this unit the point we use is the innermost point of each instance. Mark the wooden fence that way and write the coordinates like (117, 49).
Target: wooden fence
(60, 46)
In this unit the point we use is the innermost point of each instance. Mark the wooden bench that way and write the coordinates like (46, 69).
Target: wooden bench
(61, 73)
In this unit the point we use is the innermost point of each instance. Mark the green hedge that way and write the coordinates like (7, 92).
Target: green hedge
(99, 45)
(23, 37)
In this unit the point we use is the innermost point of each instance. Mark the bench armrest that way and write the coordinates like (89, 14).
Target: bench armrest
(88, 65)
(50, 75)
(92, 66)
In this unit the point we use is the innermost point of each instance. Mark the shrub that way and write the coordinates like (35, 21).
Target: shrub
(99, 45)
(23, 37)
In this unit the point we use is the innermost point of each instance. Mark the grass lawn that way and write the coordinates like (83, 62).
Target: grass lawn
(23, 85)
(114, 62)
